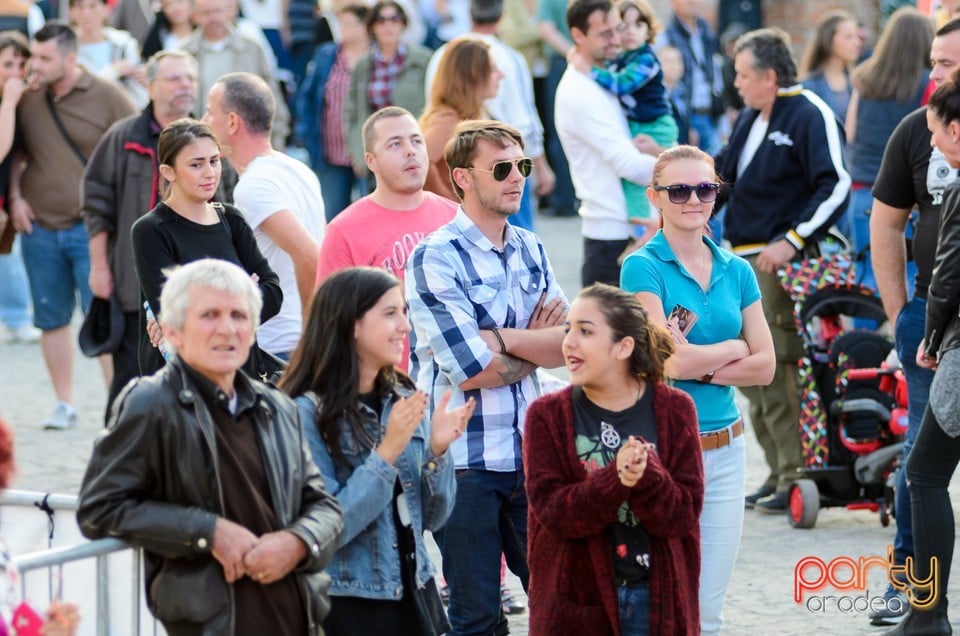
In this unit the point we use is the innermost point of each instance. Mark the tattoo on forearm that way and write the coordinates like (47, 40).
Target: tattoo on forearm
(516, 369)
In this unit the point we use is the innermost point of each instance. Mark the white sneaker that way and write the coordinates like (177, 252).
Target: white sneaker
(63, 417)
(25, 334)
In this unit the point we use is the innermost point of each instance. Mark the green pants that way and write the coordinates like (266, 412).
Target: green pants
(665, 132)
(775, 409)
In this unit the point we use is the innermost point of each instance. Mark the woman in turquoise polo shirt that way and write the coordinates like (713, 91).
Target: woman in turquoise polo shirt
(710, 302)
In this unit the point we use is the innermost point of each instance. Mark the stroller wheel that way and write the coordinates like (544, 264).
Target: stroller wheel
(803, 503)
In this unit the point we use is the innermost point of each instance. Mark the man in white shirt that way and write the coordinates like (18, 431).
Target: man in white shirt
(514, 103)
(278, 195)
(595, 137)
(219, 48)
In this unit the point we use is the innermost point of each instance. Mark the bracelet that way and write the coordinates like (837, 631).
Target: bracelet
(707, 378)
(496, 332)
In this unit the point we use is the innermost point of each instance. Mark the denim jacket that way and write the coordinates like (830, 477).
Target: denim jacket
(367, 564)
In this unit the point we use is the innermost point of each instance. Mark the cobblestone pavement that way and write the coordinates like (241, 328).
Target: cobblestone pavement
(759, 600)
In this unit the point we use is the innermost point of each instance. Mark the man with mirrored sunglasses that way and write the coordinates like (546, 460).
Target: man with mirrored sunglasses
(789, 186)
(485, 313)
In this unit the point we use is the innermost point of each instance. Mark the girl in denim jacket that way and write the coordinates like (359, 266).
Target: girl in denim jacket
(387, 465)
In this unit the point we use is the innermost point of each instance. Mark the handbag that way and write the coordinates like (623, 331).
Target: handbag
(267, 367)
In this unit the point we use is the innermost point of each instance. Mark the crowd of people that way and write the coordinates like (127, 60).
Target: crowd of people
(310, 363)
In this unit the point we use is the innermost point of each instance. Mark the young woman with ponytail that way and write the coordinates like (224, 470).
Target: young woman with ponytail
(614, 482)
(709, 301)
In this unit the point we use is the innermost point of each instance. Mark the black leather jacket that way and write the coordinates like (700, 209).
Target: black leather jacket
(153, 480)
(942, 331)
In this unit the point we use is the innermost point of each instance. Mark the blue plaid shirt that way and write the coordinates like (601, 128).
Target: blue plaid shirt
(458, 283)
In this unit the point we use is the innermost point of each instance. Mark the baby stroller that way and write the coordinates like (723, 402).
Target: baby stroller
(852, 405)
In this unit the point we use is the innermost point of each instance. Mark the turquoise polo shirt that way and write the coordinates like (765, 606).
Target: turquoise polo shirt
(733, 287)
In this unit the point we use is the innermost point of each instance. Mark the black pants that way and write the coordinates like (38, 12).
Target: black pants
(600, 261)
(125, 364)
(930, 466)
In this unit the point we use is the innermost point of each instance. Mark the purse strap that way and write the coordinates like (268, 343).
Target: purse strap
(63, 131)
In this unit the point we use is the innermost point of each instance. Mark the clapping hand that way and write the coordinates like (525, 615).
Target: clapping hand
(632, 461)
(447, 426)
(405, 416)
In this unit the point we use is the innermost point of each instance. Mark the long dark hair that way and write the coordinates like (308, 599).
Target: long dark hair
(326, 361)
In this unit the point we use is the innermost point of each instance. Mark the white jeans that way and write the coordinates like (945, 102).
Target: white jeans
(724, 471)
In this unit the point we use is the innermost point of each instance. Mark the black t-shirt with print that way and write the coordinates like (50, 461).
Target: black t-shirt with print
(599, 435)
(915, 175)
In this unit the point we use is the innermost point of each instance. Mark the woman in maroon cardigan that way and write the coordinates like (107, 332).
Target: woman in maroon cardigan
(614, 479)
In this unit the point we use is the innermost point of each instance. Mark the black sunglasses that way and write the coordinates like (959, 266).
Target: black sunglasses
(501, 169)
(680, 192)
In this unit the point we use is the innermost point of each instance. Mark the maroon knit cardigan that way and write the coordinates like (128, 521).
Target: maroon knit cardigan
(572, 587)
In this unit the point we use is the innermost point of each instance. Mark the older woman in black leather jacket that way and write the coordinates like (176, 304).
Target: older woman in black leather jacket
(936, 452)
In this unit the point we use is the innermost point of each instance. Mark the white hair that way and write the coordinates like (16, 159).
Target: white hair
(207, 273)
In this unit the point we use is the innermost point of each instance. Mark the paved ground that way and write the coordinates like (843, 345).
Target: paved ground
(759, 600)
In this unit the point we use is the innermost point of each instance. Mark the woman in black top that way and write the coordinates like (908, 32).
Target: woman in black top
(185, 227)
(935, 455)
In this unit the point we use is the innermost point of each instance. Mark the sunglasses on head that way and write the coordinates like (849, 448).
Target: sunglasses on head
(680, 192)
(501, 169)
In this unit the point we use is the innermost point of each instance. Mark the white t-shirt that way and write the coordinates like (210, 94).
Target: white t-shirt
(756, 136)
(272, 183)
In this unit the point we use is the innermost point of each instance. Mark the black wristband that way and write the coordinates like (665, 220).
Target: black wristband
(503, 347)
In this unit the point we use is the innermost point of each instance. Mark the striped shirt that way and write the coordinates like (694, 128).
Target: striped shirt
(457, 283)
(335, 93)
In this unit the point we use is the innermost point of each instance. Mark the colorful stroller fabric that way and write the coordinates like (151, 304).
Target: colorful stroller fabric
(836, 274)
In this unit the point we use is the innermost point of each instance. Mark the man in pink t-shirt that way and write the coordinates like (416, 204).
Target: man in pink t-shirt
(382, 228)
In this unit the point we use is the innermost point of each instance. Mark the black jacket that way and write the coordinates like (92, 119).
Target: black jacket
(153, 480)
(796, 185)
(942, 331)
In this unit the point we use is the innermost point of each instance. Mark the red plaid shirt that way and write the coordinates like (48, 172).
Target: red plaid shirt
(383, 77)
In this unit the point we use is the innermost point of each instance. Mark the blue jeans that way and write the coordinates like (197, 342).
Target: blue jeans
(563, 199)
(336, 187)
(489, 517)
(14, 292)
(855, 224)
(633, 602)
(721, 521)
(706, 126)
(908, 332)
(58, 267)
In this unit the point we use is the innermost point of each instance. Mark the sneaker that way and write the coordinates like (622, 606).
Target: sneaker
(63, 417)
(510, 603)
(25, 333)
(890, 613)
(775, 504)
(763, 492)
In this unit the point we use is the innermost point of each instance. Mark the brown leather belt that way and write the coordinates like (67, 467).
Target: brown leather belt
(718, 439)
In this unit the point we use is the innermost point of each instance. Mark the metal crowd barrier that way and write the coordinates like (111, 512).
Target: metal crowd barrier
(54, 559)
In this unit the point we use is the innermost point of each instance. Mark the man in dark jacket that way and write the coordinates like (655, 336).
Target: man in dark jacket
(208, 472)
(785, 161)
(121, 184)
